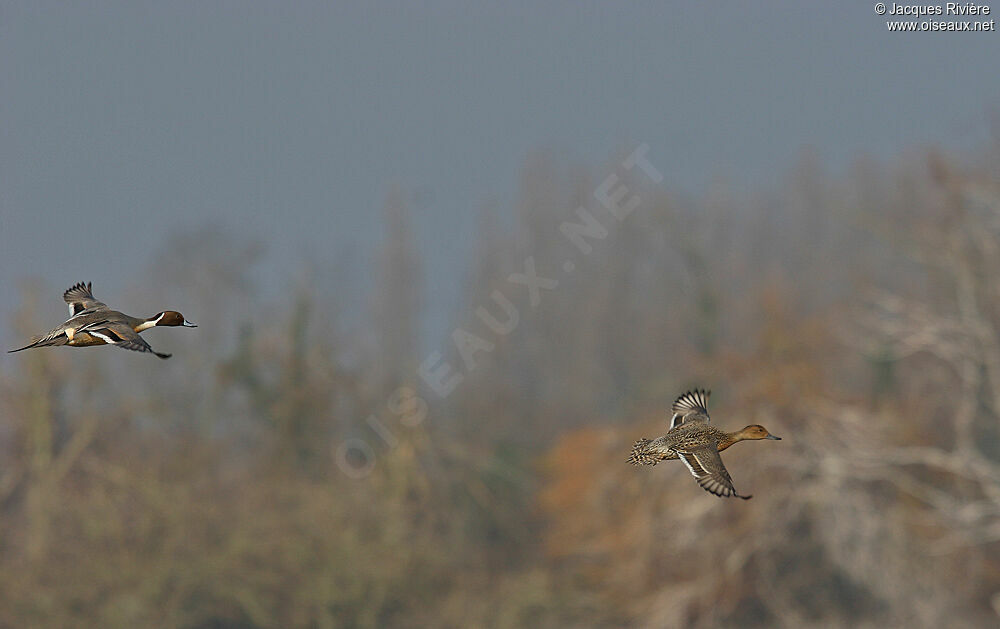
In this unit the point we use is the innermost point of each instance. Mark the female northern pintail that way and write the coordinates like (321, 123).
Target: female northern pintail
(694, 441)
(93, 323)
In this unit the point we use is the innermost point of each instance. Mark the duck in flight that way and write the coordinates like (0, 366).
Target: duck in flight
(697, 443)
(93, 323)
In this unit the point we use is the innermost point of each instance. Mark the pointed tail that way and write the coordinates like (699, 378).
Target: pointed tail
(45, 341)
(21, 349)
(642, 455)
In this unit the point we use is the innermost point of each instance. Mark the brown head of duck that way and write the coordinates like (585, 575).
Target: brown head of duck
(751, 432)
(165, 318)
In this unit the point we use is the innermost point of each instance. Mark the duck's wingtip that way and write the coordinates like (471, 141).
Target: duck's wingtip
(80, 286)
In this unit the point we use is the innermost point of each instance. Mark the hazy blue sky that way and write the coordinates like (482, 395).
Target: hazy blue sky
(121, 123)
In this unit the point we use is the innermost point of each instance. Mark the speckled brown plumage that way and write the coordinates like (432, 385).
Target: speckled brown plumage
(697, 443)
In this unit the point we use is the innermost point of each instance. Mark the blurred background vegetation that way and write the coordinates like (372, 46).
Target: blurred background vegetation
(855, 314)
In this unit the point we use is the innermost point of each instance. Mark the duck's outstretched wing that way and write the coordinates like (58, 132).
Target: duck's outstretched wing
(79, 298)
(691, 407)
(707, 468)
(120, 335)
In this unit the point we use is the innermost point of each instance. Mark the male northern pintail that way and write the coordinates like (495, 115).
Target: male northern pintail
(93, 323)
(694, 441)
